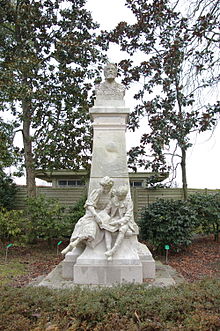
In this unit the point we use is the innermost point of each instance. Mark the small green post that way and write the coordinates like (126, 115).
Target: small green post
(58, 244)
(6, 252)
(167, 247)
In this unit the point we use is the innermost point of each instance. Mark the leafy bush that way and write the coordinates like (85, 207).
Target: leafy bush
(45, 219)
(74, 214)
(207, 208)
(12, 225)
(7, 191)
(168, 222)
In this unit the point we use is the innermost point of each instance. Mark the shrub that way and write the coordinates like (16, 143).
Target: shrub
(74, 214)
(7, 191)
(48, 219)
(45, 219)
(12, 225)
(207, 208)
(168, 222)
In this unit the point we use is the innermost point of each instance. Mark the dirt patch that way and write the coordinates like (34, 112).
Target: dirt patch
(24, 264)
(199, 260)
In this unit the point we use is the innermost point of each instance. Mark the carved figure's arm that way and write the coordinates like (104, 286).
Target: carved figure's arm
(108, 208)
(127, 216)
(95, 214)
(129, 211)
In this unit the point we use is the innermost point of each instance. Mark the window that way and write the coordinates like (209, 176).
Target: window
(70, 183)
(135, 183)
(62, 182)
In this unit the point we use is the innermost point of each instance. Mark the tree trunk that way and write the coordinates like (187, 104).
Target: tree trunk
(183, 168)
(28, 156)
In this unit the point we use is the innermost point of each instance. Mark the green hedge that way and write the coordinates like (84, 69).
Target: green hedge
(174, 222)
(12, 225)
(7, 191)
(207, 208)
(132, 307)
(168, 222)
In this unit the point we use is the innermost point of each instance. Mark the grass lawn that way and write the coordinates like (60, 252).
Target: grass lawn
(11, 270)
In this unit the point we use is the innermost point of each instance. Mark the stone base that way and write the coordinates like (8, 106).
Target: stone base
(107, 274)
(69, 261)
(165, 277)
(132, 263)
(147, 261)
(92, 266)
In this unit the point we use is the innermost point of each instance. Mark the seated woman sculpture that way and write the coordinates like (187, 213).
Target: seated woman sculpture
(118, 218)
(87, 228)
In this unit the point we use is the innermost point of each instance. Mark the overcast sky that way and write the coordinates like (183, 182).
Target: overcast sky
(203, 161)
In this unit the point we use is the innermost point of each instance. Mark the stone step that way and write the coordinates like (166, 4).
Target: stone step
(165, 276)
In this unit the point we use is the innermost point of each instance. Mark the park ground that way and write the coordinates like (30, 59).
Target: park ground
(191, 306)
(24, 264)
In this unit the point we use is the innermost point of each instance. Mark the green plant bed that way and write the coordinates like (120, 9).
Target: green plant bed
(131, 307)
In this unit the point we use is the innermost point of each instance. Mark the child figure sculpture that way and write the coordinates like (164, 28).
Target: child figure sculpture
(120, 211)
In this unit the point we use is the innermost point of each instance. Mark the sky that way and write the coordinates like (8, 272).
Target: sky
(203, 160)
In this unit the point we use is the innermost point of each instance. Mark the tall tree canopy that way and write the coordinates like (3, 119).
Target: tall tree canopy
(47, 54)
(8, 156)
(6, 144)
(181, 61)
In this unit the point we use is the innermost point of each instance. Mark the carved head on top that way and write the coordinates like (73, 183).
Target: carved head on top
(110, 89)
(110, 71)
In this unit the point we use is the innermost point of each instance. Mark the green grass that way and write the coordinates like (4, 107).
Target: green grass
(10, 270)
(188, 307)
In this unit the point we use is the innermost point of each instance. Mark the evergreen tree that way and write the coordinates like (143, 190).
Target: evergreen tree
(49, 54)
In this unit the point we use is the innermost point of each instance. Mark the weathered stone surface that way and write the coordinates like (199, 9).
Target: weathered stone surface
(110, 89)
(112, 253)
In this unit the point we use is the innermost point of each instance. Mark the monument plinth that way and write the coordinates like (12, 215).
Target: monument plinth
(109, 116)
(104, 249)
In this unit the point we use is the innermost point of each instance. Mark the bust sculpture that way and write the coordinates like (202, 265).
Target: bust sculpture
(110, 89)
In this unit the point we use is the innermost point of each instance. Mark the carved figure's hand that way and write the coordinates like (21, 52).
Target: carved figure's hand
(98, 219)
(115, 222)
(122, 221)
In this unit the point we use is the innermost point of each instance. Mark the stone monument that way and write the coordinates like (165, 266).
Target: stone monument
(103, 248)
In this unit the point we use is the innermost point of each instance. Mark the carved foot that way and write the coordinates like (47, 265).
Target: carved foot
(67, 249)
(109, 254)
(64, 251)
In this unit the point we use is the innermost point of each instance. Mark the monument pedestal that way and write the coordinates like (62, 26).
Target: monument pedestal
(92, 267)
(131, 261)
(109, 157)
